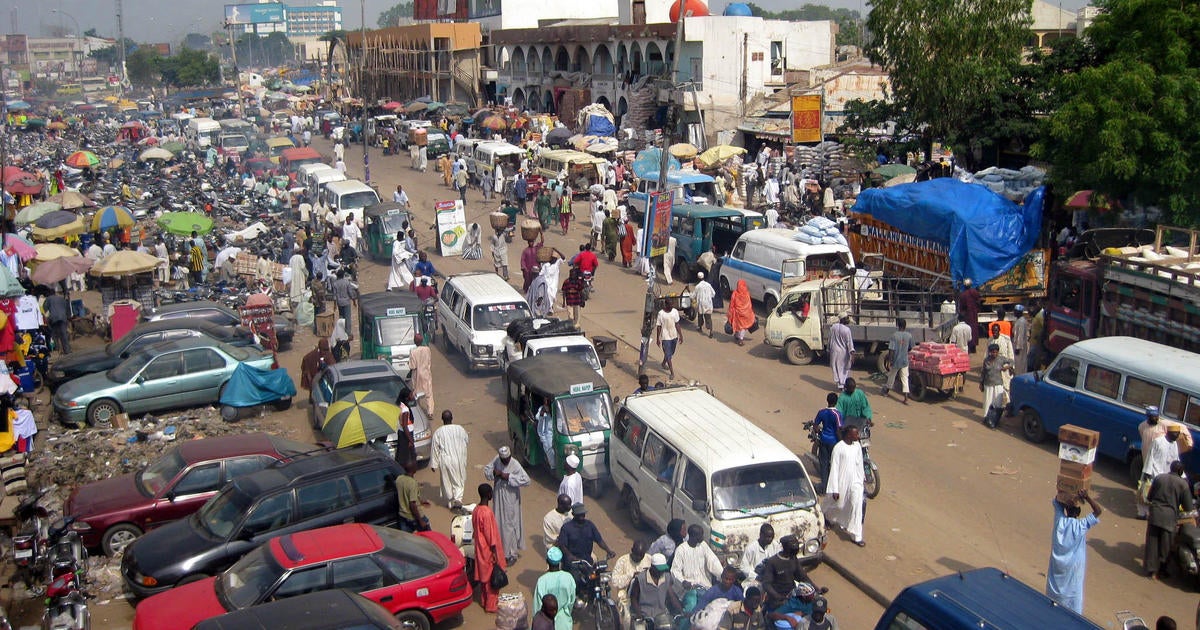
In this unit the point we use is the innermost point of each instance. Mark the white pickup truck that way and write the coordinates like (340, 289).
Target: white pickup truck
(534, 336)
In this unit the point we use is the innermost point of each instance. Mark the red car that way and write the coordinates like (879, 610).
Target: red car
(420, 578)
(113, 512)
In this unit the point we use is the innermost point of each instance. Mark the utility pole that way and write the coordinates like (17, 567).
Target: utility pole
(121, 46)
(362, 87)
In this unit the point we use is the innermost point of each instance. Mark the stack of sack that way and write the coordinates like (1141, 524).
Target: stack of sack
(938, 358)
(824, 161)
(820, 231)
(1010, 184)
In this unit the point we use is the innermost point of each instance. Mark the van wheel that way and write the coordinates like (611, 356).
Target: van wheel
(769, 303)
(635, 510)
(1032, 427)
(798, 352)
(683, 271)
(1135, 468)
(441, 336)
(884, 361)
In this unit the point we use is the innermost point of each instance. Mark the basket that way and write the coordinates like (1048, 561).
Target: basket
(530, 229)
(499, 220)
(545, 254)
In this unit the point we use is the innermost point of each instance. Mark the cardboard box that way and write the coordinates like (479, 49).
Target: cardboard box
(325, 322)
(1075, 469)
(1071, 434)
(121, 421)
(1067, 499)
(1069, 485)
(1077, 454)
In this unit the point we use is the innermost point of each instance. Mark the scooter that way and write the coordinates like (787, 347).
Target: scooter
(29, 545)
(462, 534)
(66, 604)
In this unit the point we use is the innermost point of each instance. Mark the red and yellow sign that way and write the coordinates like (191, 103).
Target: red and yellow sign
(806, 118)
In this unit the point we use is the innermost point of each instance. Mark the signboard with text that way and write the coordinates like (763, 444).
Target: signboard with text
(451, 226)
(267, 13)
(806, 118)
(657, 226)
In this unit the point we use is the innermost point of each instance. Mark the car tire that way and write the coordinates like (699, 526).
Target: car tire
(282, 404)
(118, 538)
(413, 620)
(101, 412)
(636, 518)
(797, 352)
(683, 271)
(1032, 427)
(769, 303)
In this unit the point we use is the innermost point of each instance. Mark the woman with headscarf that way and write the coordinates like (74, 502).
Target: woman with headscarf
(473, 243)
(541, 304)
(298, 282)
(741, 314)
(314, 361)
(340, 340)
(627, 243)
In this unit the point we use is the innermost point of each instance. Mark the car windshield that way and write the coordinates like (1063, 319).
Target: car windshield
(243, 584)
(360, 199)
(584, 414)
(222, 513)
(156, 476)
(761, 489)
(390, 387)
(125, 370)
(397, 331)
(230, 142)
(498, 316)
(581, 352)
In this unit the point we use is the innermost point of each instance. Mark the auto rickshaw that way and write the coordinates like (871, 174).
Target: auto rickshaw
(383, 221)
(391, 324)
(580, 418)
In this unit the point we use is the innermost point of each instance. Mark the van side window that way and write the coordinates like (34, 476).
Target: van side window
(653, 453)
(323, 498)
(1065, 372)
(1141, 392)
(693, 482)
(372, 482)
(621, 426)
(739, 250)
(903, 622)
(1182, 407)
(1102, 381)
(636, 436)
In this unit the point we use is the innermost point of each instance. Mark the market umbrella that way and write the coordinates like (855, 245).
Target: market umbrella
(82, 159)
(148, 141)
(907, 178)
(54, 271)
(391, 105)
(557, 137)
(360, 417)
(23, 248)
(1084, 199)
(50, 251)
(173, 146)
(35, 123)
(69, 200)
(888, 171)
(9, 285)
(648, 161)
(415, 106)
(184, 223)
(57, 125)
(66, 229)
(55, 219)
(111, 217)
(24, 184)
(683, 150)
(434, 105)
(718, 154)
(155, 153)
(124, 263)
(17, 106)
(481, 114)
(493, 123)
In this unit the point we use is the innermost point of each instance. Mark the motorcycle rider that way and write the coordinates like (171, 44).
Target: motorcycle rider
(558, 583)
(652, 592)
(746, 614)
(820, 619)
(799, 607)
(757, 552)
(781, 573)
(623, 572)
(695, 565)
(576, 539)
(829, 423)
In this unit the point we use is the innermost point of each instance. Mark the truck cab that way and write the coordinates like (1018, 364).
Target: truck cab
(528, 338)
(686, 187)
(231, 145)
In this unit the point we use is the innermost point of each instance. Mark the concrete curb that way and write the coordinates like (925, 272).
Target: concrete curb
(851, 577)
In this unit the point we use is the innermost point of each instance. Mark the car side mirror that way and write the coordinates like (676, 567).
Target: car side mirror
(171, 496)
(1037, 376)
(141, 378)
(700, 505)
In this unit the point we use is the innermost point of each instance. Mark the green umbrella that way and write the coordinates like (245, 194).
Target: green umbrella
(33, 212)
(359, 417)
(9, 285)
(184, 223)
(888, 171)
(173, 146)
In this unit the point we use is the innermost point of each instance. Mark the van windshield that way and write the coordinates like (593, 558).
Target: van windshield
(584, 414)
(761, 489)
(498, 316)
(358, 200)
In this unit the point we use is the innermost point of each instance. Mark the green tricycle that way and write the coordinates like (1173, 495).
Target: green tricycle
(391, 324)
(383, 221)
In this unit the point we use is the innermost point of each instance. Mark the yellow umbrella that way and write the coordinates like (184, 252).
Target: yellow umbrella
(124, 263)
(359, 417)
(50, 251)
(718, 154)
(683, 150)
(67, 229)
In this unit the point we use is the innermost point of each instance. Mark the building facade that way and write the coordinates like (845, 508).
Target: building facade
(441, 60)
(314, 20)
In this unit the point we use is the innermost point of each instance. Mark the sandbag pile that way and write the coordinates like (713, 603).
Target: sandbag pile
(820, 231)
(825, 161)
(1010, 184)
(938, 358)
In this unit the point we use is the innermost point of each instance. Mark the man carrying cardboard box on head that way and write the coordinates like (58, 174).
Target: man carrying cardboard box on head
(1163, 450)
(1068, 550)
(1149, 430)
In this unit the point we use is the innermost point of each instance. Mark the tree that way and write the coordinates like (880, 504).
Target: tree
(141, 66)
(189, 68)
(109, 54)
(947, 60)
(848, 20)
(1129, 125)
(392, 16)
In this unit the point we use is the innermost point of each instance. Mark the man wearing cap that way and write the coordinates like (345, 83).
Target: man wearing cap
(1150, 429)
(1169, 495)
(702, 297)
(797, 609)
(561, 585)
(820, 619)
(572, 482)
(623, 571)
(782, 571)
(1163, 450)
(845, 485)
(841, 349)
(578, 535)
(553, 521)
(652, 592)
(509, 477)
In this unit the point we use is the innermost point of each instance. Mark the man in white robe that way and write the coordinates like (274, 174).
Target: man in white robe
(509, 477)
(841, 350)
(400, 276)
(845, 486)
(572, 482)
(298, 284)
(448, 456)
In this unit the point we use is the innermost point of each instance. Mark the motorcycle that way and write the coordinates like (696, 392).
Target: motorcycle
(29, 545)
(462, 535)
(66, 604)
(871, 476)
(594, 593)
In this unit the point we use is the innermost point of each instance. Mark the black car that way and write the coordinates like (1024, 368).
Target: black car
(310, 491)
(321, 610)
(218, 314)
(78, 364)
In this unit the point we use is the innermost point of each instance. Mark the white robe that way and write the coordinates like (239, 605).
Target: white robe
(846, 479)
(399, 277)
(572, 486)
(299, 282)
(508, 503)
(448, 456)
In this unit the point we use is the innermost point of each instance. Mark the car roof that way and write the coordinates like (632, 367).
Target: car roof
(485, 287)
(361, 369)
(198, 323)
(1165, 364)
(280, 476)
(377, 304)
(187, 343)
(318, 546)
(320, 610)
(553, 374)
(702, 211)
(193, 306)
(226, 446)
(348, 186)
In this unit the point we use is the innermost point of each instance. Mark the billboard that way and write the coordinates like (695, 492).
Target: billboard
(657, 224)
(270, 13)
(483, 8)
(806, 118)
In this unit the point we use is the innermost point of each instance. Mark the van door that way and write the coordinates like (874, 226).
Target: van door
(690, 502)
(791, 273)
(656, 480)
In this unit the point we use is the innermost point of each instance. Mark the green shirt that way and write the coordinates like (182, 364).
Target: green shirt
(854, 405)
(407, 492)
(561, 585)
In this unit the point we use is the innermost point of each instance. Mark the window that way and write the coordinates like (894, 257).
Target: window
(636, 436)
(163, 367)
(653, 452)
(407, 568)
(903, 622)
(693, 482)
(1102, 381)
(1141, 392)
(301, 582)
(206, 478)
(1065, 372)
(201, 360)
(372, 482)
(1182, 407)
(143, 341)
(1066, 292)
(271, 514)
(323, 498)
(239, 466)
(359, 575)
(739, 250)
(666, 465)
(777, 59)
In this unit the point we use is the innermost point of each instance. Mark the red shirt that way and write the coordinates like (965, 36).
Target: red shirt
(587, 261)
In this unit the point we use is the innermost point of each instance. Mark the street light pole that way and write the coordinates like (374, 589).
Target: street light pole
(76, 51)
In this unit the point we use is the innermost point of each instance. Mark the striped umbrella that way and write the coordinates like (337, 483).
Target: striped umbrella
(360, 417)
(111, 217)
(82, 159)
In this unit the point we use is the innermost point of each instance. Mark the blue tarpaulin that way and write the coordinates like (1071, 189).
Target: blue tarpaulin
(250, 386)
(985, 233)
(599, 126)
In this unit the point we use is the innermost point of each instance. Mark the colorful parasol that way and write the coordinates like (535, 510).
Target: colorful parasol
(184, 223)
(360, 417)
(82, 159)
(70, 200)
(110, 217)
(124, 263)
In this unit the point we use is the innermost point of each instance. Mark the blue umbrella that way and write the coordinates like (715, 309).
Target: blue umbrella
(55, 219)
(650, 161)
(18, 105)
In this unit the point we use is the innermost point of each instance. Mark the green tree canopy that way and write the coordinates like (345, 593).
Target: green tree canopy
(141, 66)
(189, 68)
(848, 20)
(110, 55)
(1129, 125)
(947, 60)
(392, 16)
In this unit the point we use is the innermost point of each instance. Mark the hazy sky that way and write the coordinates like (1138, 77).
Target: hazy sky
(170, 20)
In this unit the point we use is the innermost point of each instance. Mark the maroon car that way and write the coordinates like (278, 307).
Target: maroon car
(111, 513)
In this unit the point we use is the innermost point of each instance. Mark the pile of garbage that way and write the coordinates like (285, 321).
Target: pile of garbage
(825, 161)
(1010, 184)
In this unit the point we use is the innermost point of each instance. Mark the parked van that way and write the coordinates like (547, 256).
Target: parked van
(202, 132)
(981, 598)
(473, 314)
(685, 186)
(314, 182)
(345, 197)
(671, 456)
(697, 228)
(577, 165)
(305, 170)
(758, 257)
(1105, 384)
(232, 144)
(488, 154)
